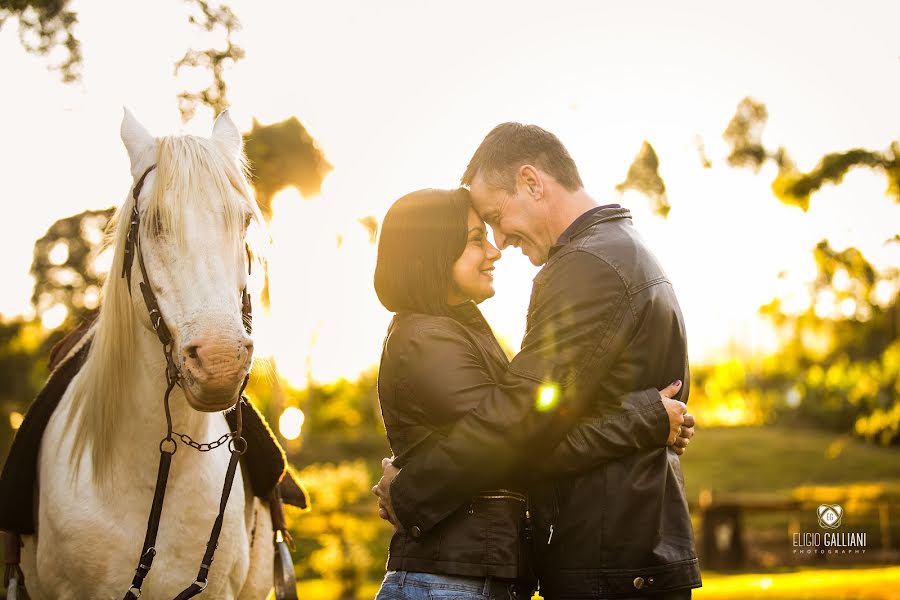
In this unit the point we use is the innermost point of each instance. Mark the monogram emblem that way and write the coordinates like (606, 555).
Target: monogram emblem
(830, 516)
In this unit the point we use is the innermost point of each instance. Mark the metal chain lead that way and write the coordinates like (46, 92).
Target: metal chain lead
(203, 447)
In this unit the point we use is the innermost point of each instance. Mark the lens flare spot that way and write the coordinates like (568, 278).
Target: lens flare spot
(59, 254)
(15, 419)
(54, 316)
(548, 397)
(291, 422)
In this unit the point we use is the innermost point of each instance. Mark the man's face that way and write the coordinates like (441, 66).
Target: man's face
(516, 219)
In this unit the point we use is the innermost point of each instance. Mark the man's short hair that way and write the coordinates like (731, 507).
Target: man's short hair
(509, 146)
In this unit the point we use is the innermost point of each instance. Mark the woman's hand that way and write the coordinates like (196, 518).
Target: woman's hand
(681, 424)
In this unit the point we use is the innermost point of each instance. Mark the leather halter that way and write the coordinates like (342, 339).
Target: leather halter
(167, 446)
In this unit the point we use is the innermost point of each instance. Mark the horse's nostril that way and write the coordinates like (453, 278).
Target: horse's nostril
(192, 352)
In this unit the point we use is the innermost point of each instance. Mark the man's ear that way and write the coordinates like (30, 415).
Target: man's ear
(531, 179)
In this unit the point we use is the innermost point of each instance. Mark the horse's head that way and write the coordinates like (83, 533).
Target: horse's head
(194, 209)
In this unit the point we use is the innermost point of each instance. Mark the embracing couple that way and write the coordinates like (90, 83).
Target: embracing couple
(557, 471)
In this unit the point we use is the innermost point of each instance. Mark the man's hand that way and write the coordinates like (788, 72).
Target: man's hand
(681, 424)
(383, 490)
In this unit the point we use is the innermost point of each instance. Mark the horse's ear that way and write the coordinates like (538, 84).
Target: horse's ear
(139, 143)
(226, 134)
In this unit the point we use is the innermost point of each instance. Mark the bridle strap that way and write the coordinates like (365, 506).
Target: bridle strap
(238, 446)
(133, 225)
(148, 551)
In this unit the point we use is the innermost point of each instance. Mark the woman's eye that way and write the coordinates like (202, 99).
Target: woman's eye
(247, 218)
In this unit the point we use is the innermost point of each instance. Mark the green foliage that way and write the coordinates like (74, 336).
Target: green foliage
(284, 155)
(744, 135)
(839, 364)
(22, 371)
(643, 176)
(64, 267)
(342, 539)
(216, 60)
(371, 225)
(44, 26)
(840, 349)
(794, 187)
(341, 542)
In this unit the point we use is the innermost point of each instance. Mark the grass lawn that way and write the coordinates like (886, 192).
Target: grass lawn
(818, 584)
(774, 460)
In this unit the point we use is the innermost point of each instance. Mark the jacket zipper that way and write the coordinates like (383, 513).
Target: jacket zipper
(555, 511)
(502, 495)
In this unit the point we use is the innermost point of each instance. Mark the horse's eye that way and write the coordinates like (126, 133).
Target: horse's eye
(247, 218)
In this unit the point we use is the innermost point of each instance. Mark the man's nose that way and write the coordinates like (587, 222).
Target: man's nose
(500, 239)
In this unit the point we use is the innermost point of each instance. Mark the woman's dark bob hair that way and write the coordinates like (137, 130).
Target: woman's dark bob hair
(422, 236)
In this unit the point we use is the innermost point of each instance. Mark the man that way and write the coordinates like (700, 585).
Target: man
(603, 320)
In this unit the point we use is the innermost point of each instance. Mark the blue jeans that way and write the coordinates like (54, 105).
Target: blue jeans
(406, 585)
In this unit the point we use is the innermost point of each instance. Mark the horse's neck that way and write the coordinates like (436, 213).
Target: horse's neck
(142, 415)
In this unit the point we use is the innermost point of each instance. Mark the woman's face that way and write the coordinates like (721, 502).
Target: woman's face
(473, 271)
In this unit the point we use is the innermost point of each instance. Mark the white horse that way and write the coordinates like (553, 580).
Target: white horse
(99, 455)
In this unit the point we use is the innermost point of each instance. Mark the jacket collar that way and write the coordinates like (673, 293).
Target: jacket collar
(597, 216)
(467, 313)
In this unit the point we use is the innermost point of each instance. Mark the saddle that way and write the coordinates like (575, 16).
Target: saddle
(264, 462)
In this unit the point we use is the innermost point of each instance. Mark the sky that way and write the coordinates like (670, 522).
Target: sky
(398, 96)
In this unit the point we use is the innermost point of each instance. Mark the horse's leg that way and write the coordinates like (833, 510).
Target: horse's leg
(259, 529)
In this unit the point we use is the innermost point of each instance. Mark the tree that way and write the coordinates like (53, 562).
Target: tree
(24, 345)
(45, 26)
(213, 59)
(283, 155)
(66, 269)
(643, 176)
(791, 186)
(840, 364)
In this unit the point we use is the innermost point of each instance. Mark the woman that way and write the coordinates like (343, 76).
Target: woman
(435, 263)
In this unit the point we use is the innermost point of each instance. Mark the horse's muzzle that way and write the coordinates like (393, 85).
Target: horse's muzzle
(212, 372)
